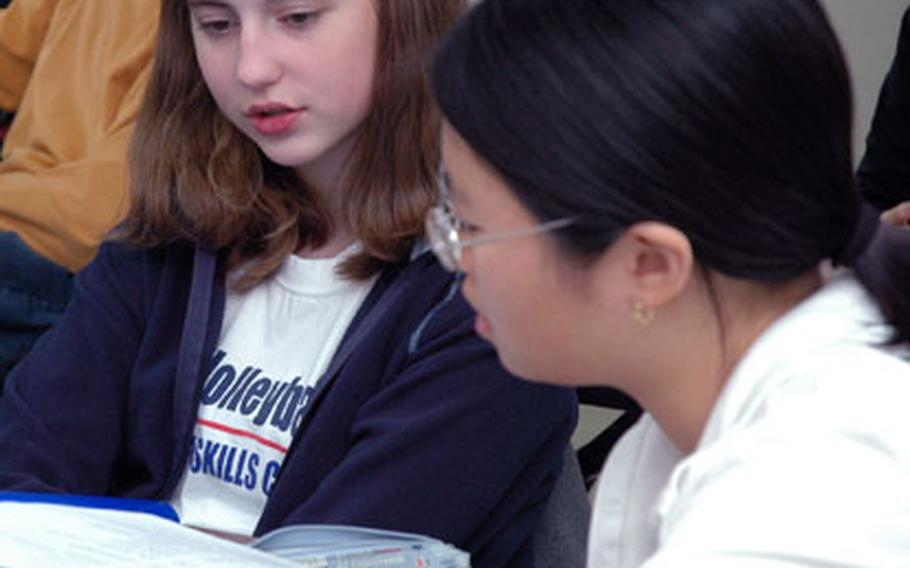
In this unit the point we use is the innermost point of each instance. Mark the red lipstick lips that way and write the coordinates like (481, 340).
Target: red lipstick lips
(271, 119)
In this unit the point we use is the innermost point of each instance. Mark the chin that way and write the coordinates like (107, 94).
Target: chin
(522, 369)
(540, 372)
(284, 157)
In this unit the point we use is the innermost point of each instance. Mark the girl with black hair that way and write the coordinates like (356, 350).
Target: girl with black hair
(646, 194)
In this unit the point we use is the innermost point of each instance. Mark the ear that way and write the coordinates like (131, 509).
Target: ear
(656, 262)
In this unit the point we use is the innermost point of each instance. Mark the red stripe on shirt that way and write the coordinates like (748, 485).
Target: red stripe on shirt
(244, 434)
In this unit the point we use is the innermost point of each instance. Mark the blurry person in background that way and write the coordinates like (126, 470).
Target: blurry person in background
(884, 172)
(72, 75)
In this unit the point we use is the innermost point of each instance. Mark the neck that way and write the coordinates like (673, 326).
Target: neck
(340, 233)
(324, 177)
(708, 338)
(337, 243)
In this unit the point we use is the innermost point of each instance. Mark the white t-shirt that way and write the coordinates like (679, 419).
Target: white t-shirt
(277, 340)
(804, 460)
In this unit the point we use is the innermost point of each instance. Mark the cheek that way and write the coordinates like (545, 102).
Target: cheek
(521, 311)
(351, 91)
(349, 69)
(216, 72)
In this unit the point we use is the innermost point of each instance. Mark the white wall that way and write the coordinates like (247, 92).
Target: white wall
(868, 31)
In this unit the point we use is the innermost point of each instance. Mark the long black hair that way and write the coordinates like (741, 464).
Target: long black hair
(730, 120)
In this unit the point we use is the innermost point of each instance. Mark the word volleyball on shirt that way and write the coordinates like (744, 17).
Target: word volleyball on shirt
(234, 399)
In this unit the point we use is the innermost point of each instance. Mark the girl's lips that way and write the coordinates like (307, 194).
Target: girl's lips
(275, 122)
(482, 327)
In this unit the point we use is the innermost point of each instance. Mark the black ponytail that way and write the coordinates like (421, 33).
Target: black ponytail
(884, 269)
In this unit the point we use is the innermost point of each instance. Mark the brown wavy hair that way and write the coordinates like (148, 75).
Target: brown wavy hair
(195, 178)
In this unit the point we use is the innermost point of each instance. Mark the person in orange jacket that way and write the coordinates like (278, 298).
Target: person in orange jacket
(74, 73)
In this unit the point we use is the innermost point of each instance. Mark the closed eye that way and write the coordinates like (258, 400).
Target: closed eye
(466, 227)
(299, 19)
(216, 27)
(213, 19)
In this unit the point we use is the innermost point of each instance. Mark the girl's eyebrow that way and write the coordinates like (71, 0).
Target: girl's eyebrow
(205, 3)
(222, 4)
(454, 195)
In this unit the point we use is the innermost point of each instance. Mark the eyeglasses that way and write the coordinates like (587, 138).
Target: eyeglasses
(444, 228)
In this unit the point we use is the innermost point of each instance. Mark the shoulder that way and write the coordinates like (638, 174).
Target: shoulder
(439, 344)
(834, 394)
(829, 351)
(850, 386)
(123, 258)
(444, 339)
(905, 27)
(428, 304)
(820, 406)
(122, 271)
(838, 376)
(836, 410)
(440, 306)
(832, 431)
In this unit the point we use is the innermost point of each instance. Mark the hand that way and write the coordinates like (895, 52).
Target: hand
(899, 215)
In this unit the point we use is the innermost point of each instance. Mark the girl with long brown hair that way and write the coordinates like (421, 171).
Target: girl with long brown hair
(267, 341)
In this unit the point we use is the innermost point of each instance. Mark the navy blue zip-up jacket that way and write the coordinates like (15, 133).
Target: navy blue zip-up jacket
(420, 429)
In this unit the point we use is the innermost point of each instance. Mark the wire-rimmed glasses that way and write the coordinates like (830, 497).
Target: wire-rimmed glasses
(444, 230)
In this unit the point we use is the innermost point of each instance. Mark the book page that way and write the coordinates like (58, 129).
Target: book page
(354, 547)
(40, 535)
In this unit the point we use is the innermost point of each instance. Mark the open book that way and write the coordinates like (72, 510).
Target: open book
(50, 531)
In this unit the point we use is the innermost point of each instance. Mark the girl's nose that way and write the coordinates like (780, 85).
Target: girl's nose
(464, 261)
(257, 66)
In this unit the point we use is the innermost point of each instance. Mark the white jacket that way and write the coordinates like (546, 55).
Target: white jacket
(804, 461)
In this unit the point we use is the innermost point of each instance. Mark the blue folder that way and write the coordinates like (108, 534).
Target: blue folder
(159, 508)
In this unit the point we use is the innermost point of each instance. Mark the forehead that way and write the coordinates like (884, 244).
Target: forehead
(268, 4)
(460, 168)
(195, 3)
(474, 184)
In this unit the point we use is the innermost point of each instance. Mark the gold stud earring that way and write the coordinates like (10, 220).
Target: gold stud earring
(642, 314)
